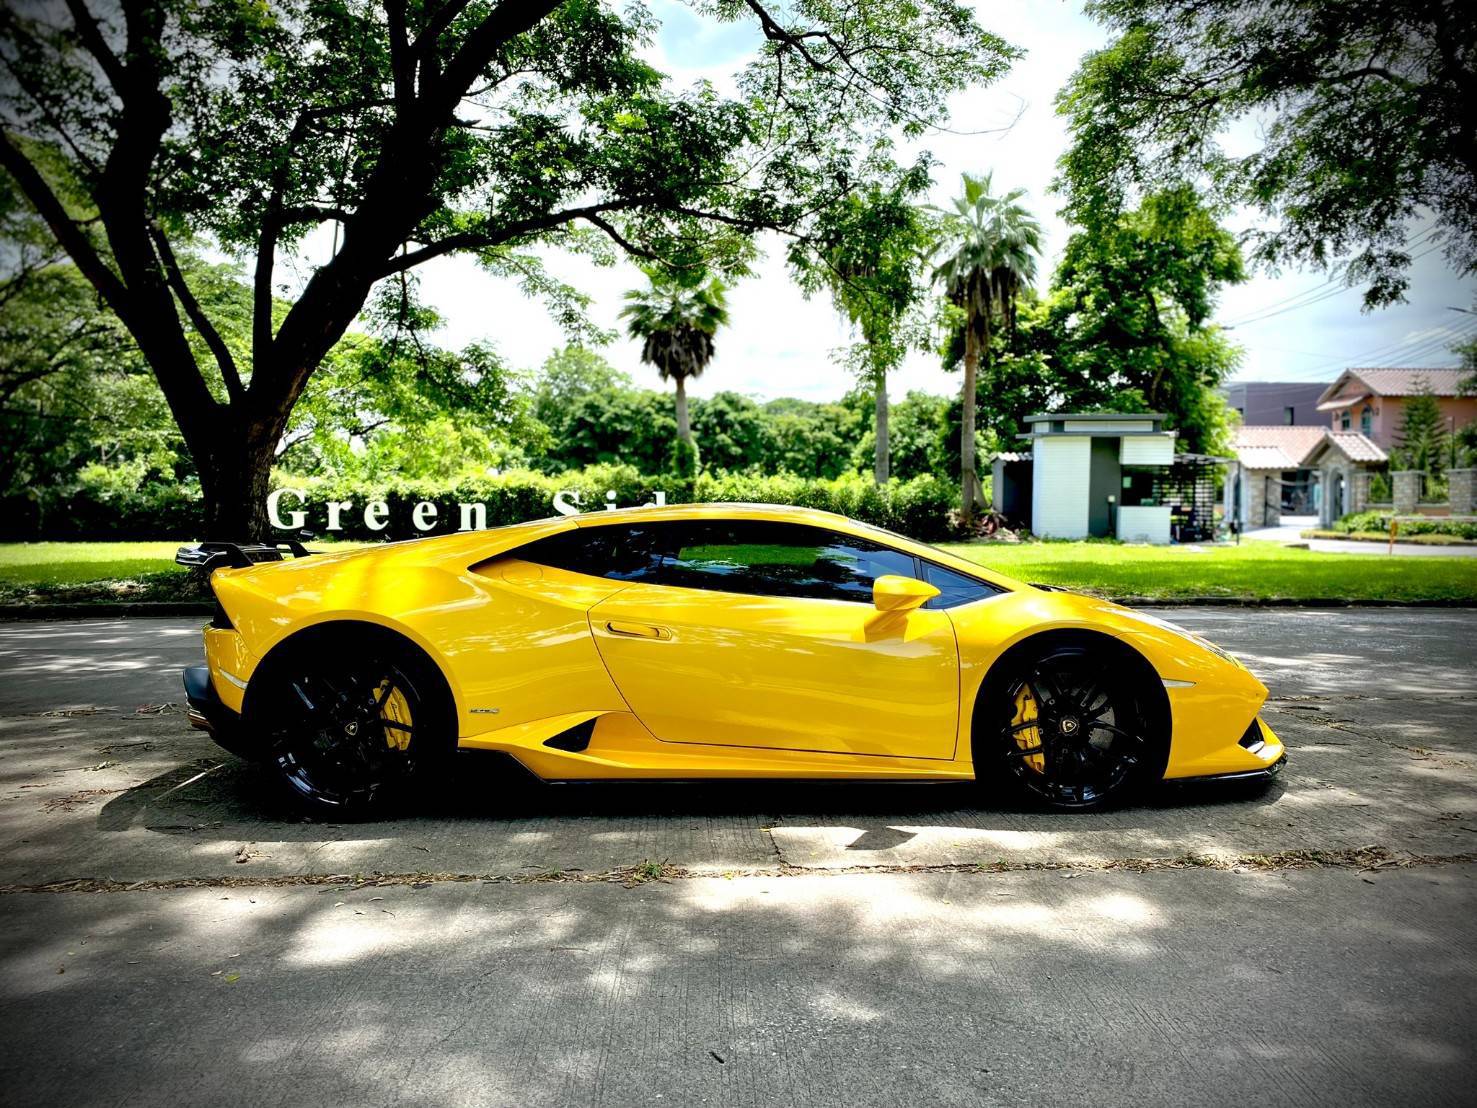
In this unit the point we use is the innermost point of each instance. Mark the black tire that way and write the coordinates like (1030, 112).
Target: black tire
(353, 732)
(1068, 727)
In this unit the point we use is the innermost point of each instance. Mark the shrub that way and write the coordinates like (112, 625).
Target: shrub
(919, 508)
(101, 506)
(1380, 522)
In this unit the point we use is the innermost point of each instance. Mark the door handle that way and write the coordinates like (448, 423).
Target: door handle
(637, 630)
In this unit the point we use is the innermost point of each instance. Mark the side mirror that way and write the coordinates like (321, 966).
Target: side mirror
(895, 593)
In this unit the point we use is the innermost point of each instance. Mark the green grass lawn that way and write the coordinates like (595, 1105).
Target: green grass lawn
(86, 571)
(72, 563)
(1253, 570)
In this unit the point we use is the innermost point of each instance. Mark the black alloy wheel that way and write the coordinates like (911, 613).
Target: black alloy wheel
(1074, 736)
(349, 735)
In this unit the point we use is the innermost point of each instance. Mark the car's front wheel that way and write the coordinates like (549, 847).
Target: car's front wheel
(1070, 728)
(349, 731)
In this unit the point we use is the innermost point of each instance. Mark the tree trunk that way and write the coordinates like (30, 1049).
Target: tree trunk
(969, 490)
(883, 468)
(235, 472)
(684, 429)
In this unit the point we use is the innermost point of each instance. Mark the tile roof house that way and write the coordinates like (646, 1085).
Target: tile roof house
(1298, 471)
(1370, 401)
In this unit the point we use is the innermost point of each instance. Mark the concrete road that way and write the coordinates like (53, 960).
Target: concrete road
(745, 944)
(1164, 988)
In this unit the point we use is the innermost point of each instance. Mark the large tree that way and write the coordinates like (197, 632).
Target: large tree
(1132, 305)
(400, 131)
(987, 251)
(1340, 121)
(869, 251)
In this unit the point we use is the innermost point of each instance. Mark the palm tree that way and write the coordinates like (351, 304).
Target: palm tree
(676, 317)
(989, 246)
(872, 248)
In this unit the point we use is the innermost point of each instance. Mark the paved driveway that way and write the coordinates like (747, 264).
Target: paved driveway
(745, 944)
(1293, 533)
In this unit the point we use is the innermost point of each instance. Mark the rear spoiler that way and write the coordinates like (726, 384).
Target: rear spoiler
(238, 555)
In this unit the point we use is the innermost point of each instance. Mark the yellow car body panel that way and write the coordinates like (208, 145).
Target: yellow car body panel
(692, 683)
(826, 676)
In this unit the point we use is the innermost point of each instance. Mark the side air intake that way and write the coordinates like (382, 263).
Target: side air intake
(574, 740)
(1253, 740)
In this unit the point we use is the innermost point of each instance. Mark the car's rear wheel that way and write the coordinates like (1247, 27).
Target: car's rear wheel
(1070, 729)
(351, 733)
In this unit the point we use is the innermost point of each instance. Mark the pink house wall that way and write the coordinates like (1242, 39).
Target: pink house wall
(1386, 415)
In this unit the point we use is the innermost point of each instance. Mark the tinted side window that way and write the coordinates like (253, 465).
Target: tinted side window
(620, 553)
(777, 559)
(954, 588)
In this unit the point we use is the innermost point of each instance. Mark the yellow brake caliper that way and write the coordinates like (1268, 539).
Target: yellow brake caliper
(396, 709)
(1026, 712)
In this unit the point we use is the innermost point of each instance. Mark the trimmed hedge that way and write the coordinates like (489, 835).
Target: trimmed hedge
(1380, 522)
(921, 508)
(104, 513)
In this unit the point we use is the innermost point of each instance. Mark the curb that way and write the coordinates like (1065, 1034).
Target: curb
(1284, 602)
(105, 610)
(21, 612)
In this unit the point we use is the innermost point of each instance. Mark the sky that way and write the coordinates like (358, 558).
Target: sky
(1294, 326)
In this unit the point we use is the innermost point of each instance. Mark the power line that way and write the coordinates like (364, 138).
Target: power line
(1327, 295)
(1406, 352)
(1446, 338)
(1277, 306)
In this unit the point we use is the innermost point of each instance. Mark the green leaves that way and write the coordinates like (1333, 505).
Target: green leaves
(676, 317)
(1422, 434)
(415, 129)
(868, 251)
(987, 249)
(1134, 299)
(1361, 114)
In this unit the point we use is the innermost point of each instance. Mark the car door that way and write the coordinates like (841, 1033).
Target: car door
(763, 634)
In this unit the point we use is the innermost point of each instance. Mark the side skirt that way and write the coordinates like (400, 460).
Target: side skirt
(620, 746)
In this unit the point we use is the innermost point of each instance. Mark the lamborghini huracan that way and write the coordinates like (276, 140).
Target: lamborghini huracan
(700, 641)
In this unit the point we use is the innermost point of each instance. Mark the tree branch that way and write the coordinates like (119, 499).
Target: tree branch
(67, 232)
(425, 42)
(402, 61)
(473, 240)
(198, 319)
(619, 239)
(312, 213)
(1367, 71)
(505, 22)
(92, 38)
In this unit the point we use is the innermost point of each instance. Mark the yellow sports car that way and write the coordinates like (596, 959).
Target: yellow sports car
(701, 641)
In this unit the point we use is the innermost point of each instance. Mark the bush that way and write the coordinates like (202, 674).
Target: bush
(101, 507)
(919, 508)
(1380, 522)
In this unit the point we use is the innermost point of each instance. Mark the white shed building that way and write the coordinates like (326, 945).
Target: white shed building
(1095, 474)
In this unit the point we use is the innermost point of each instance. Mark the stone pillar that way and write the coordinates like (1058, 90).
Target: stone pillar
(1359, 490)
(1256, 498)
(1463, 495)
(1407, 486)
